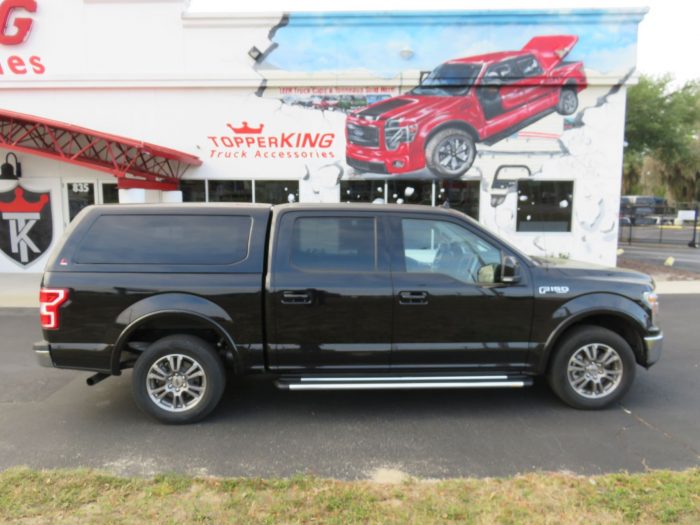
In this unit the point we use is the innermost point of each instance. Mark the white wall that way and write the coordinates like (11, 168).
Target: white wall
(149, 71)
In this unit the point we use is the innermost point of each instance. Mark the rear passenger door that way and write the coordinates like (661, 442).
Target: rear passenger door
(329, 295)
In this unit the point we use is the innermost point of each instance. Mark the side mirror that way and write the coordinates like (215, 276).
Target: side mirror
(510, 269)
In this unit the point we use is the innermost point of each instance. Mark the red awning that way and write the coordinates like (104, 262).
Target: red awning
(136, 164)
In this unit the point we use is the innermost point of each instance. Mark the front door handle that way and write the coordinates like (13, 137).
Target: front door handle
(296, 297)
(413, 298)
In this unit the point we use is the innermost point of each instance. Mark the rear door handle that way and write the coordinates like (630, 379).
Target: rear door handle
(413, 298)
(296, 297)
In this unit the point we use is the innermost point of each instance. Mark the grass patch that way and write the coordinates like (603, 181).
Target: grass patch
(87, 496)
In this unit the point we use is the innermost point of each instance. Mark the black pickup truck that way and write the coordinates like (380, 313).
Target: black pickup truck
(332, 297)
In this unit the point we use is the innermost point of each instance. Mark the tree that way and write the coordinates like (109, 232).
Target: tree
(663, 124)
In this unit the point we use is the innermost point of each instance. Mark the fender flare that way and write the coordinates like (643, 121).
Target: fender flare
(459, 124)
(167, 304)
(583, 307)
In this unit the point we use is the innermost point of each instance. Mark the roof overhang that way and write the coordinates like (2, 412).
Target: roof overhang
(134, 163)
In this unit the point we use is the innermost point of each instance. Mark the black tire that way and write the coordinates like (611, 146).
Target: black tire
(568, 101)
(562, 379)
(210, 382)
(450, 153)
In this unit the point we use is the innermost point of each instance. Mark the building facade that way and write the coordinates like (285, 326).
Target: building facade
(515, 118)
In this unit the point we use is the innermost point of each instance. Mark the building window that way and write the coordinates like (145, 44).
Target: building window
(276, 191)
(362, 191)
(110, 193)
(544, 206)
(193, 191)
(230, 191)
(461, 195)
(410, 192)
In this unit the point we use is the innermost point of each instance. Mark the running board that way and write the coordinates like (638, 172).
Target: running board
(389, 382)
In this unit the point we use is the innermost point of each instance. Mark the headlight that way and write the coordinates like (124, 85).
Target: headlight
(397, 131)
(651, 299)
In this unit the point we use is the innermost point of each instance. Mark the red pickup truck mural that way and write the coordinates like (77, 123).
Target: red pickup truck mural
(479, 99)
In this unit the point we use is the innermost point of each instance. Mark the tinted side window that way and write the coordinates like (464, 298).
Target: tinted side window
(166, 239)
(434, 246)
(529, 66)
(503, 73)
(345, 244)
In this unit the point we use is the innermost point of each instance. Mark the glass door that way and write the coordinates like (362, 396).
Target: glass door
(78, 195)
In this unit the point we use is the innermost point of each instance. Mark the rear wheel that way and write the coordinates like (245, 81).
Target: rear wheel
(593, 367)
(178, 379)
(568, 101)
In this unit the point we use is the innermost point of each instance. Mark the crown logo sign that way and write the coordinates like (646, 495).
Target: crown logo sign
(20, 205)
(245, 129)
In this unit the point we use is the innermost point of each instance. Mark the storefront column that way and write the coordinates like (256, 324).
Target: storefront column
(171, 196)
(132, 196)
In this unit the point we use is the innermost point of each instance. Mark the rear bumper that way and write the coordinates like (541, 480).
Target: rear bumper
(94, 357)
(653, 345)
(43, 356)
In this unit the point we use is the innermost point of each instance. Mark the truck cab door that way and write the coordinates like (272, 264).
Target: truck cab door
(329, 293)
(451, 309)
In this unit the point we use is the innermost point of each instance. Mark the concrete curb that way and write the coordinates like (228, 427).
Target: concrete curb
(677, 287)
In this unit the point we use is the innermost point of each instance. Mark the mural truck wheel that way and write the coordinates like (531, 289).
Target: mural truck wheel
(450, 153)
(568, 101)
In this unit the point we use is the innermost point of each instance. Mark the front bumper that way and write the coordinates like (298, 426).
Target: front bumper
(653, 345)
(43, 356)
(406, 158)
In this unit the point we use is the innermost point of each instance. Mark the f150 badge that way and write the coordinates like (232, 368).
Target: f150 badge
(544, 290)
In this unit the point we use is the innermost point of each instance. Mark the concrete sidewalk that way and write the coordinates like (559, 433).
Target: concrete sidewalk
(21, 290)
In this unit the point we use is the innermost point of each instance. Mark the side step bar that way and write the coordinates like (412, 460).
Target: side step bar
(389, 382)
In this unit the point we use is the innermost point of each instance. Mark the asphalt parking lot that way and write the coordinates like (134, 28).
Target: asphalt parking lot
(50, 418)
(684, 258)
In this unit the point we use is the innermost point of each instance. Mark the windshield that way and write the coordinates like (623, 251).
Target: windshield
(449, 80)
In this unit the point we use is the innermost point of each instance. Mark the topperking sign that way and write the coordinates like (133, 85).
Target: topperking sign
(26, 227)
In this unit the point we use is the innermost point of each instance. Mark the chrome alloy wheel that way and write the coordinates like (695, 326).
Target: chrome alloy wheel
(595, 370)
(176, 383)
(455, 153)
(569, 101)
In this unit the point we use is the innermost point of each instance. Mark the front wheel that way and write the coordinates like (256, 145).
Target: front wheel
(178, 379)
(592, 368)
(450, 153)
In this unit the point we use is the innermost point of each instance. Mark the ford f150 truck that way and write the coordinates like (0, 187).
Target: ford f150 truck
(345, 297)
(483, 98)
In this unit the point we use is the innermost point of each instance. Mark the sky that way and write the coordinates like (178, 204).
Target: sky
(317, 44)
(669, 35)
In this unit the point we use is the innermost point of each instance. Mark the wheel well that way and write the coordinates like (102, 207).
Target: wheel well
(453, 124)
(138, 338)
(619, 325)
(570, 83)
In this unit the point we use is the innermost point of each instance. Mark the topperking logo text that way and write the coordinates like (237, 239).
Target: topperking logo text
(251, 142)
(26, 227)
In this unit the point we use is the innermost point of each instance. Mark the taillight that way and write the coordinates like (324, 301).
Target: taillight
(50, 300)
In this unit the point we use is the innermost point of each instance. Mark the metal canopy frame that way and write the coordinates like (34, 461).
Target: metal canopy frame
(135, 164)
